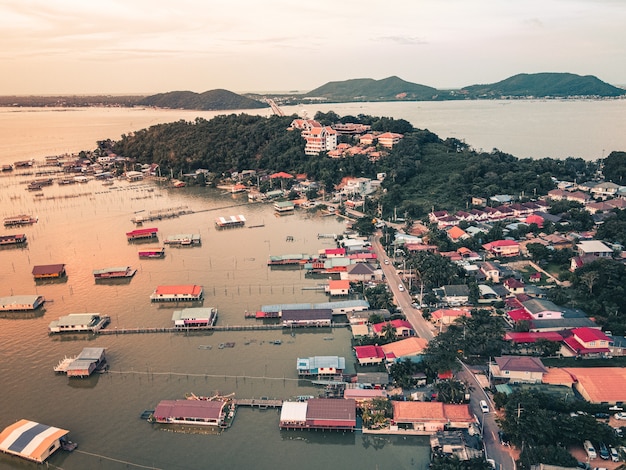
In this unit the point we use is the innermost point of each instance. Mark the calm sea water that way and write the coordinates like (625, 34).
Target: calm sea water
(84, 225)
(588, 129)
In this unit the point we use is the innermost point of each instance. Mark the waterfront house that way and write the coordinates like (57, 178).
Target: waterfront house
(369, 354)
(319, 413)
(142, 234)
(183, 239)
(516, 369)
(191, 412)
(113, 273)
(21, 302)
(306, 317)
(79, 322)
(361, 272)
(179, 293)
(88, 361)
(17, 239)
(338, 287)
(31, 441)
(194, 317)
(49, 271)
(430, 417)
(321, 365)
(362, 396)
(284, 207)
(231, 221)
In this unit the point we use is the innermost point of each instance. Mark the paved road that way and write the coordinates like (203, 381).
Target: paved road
(493, 448)
(424, 329)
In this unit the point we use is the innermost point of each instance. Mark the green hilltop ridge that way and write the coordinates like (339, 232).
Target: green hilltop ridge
(367, 89)
(207, 101)
(545, 85)
(539, 85)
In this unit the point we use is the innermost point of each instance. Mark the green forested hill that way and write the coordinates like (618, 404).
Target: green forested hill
(367, 89)
(207, 101)
(422, 171)
(543, 85)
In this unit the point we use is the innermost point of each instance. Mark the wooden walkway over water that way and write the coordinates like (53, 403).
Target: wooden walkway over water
(262, 403)
(125, 331)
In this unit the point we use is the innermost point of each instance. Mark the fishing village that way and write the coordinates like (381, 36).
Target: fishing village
(325, 410)
(262, 298)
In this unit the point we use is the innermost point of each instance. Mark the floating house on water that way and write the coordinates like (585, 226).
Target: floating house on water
(230, 222)
(284, 207)
(306, 317)
(113, 273)
(83, 365)
(33, 441)
(19, 220)
(192, 412)
(194, 317)
(79, 322)
(184, 239)
(142, 234)
(182, 293)
(338, 308)
(21, 303)
(319, 413)
(49, 271)
(147, 253)
(297, 259)
(321, 365)
(12, 239)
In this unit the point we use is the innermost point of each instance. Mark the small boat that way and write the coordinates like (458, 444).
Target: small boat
(205, 346)
(276, 342)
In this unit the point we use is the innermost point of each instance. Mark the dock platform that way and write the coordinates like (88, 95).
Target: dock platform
(261, 403)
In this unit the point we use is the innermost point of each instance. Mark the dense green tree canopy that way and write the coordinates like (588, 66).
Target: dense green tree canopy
(422, 170)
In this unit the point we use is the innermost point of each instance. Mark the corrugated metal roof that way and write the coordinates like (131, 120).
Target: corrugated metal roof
(293, 411)
(30, 440)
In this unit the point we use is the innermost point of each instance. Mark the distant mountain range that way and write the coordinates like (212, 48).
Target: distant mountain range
(207, 101)
(538, 85)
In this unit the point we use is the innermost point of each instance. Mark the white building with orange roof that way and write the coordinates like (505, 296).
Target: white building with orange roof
(389, 139)
(319, 139)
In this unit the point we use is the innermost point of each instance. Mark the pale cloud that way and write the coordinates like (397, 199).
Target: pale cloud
(154, 46)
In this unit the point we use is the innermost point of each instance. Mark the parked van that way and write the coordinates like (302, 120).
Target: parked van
(484, 407)
(591, 451)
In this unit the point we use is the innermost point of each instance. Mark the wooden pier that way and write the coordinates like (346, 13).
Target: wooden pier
(125, 331)
(261, 403)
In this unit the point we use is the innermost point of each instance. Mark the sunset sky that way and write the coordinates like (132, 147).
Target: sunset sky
(153, 46)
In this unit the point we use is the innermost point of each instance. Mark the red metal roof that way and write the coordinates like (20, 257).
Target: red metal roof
(368, 351)
(203, 409)
(48, 269)
(532, 337)
(141, 231)
(331, 410)
(590, 334)
(190, 289)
